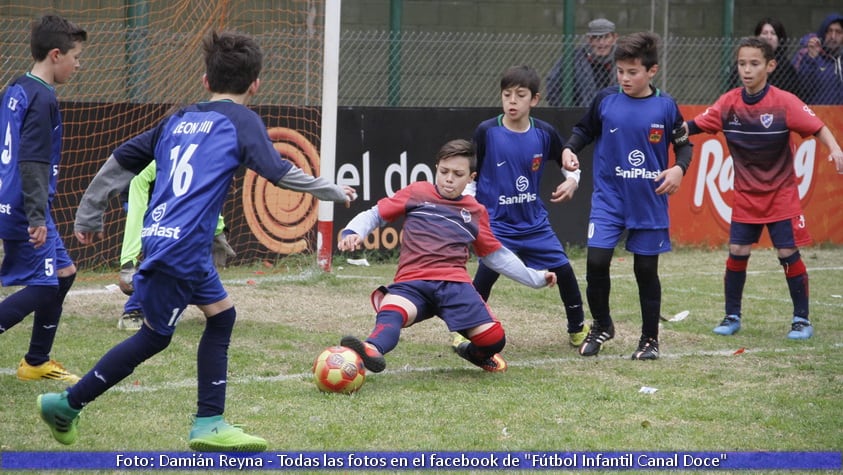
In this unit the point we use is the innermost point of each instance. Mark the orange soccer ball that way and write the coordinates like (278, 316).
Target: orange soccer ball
(339, 370)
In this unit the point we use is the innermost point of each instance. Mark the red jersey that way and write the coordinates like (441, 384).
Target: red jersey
(757, 131)
(437, 233)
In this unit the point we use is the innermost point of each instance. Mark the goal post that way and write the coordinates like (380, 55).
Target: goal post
(328, 149)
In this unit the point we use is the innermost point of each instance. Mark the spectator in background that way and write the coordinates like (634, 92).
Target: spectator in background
(784, 76)
(594, 67)
(819, 65)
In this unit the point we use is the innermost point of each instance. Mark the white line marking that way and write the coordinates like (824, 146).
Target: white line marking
(190, 383)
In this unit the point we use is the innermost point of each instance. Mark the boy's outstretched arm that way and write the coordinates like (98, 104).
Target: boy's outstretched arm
(351, 237)
(298, 180)
(836, 155)
(110, 180)
(504, 261)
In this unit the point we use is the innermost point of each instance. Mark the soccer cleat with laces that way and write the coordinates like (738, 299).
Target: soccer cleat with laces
(729, 326)
(373, 360)
(492, 364)
(57, 413)
(131, 320)
(595, 339)
(213, 434)
(577, 338)
(50, 370)
(648, 349)
(801, 329)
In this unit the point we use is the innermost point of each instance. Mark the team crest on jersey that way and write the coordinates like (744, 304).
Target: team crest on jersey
(466, 215)
(656, 135)
(537, 162)
(13, 103)
(766, 120)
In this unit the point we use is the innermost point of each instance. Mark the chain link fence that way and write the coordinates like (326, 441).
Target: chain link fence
(462, 69)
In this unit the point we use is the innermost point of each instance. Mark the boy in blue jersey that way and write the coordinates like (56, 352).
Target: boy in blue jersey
(633, 126)
(512, 150)
(35, 256)
(197, 151)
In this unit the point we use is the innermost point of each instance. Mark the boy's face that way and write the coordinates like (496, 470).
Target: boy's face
(453, 175)
(634, 78)
(753, 68)
(517, 102)
(65, 64)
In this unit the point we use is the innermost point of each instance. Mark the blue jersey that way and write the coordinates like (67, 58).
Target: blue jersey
(633, 137)
(197, 151)
(509, 170)
(31, 128)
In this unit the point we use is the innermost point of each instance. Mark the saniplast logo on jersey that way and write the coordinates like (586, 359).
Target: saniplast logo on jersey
(156, 229)
(701, 211)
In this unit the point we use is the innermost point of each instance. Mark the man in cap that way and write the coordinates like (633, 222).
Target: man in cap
(594, 67)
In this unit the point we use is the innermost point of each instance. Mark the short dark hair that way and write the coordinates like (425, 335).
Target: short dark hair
(642, 45)
(523, 76)
(756, 42)
(51, 32)
(233, 61)
(459, 148)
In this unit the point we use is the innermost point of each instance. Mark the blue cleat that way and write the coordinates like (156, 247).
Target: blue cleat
(800, 329)
(729, 326)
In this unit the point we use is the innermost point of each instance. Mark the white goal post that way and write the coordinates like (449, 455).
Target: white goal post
(328, 140)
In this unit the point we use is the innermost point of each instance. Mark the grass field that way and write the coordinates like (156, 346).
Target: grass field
(774, 395)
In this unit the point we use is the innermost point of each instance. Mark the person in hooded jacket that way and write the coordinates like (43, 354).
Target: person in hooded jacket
(819, 64)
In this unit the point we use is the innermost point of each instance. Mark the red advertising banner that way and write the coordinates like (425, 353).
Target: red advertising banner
(700, 211)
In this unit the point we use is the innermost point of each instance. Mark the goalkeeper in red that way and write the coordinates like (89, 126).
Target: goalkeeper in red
(757, 120)
(440, 223)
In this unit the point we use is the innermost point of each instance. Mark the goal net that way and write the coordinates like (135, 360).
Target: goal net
(142, 59)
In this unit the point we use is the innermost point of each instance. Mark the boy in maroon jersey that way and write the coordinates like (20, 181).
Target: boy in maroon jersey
(440, 223)
(757, 120)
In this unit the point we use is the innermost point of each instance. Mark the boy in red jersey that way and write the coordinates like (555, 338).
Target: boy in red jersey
(757, 120)
(439, 226)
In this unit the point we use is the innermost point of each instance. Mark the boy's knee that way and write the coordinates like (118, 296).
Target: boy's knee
(492, 340)
(598, 261)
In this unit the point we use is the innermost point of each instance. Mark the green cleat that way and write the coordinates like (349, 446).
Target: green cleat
(578, 338)
(57, 413)
(213, 434)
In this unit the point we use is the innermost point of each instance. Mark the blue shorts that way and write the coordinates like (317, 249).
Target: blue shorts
(457, 303)
(647, 242)
(785, 234)
(164, 298)
(539, 249)
(23, 264)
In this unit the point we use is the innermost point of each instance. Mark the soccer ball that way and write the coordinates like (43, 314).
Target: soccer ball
(339, 370)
